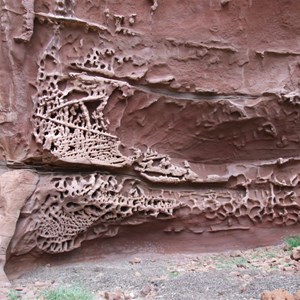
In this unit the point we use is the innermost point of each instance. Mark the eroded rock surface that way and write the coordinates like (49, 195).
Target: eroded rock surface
(183, 115)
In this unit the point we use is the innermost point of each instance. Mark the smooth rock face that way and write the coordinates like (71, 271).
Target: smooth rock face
(15, 188)
(170, 117)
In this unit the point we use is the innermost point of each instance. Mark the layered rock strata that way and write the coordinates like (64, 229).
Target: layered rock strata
(180, 115)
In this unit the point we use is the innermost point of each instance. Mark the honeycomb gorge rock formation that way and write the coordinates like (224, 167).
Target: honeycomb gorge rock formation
(168, 125)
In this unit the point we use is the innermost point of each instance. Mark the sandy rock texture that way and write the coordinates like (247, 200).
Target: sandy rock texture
(15, 188)
(279, 294)
(167, 124)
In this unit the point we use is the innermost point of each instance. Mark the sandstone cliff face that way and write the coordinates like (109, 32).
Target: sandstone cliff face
(170, 116)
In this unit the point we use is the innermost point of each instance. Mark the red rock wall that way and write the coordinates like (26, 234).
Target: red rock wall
(181, 116)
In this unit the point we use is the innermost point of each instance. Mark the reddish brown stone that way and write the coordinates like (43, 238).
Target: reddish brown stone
(172, 121)
(279, 294)
(295, 253)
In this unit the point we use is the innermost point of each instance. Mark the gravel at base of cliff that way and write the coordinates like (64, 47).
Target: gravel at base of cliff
(231, 275)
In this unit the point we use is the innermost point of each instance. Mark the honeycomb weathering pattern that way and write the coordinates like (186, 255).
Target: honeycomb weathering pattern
(71, 209)
(176, 115)
(67, 210)
(63, 122)
(69, 117)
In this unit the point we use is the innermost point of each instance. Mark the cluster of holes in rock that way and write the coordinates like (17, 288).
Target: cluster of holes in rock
(103, 61)
(78, 204)
(70, 122)
(98, 59)
(281, 208)
(111, 206)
